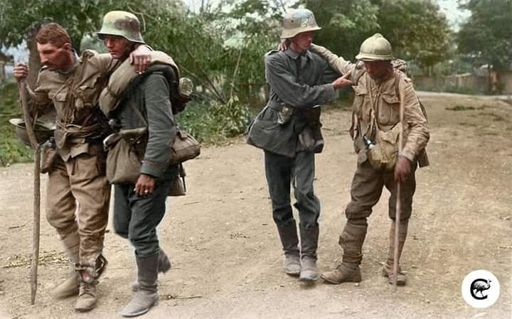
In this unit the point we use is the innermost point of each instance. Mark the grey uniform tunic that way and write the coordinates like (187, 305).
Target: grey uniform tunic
(136, 217)
(301, 82)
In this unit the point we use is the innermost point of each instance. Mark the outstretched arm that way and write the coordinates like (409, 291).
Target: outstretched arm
(338, 63)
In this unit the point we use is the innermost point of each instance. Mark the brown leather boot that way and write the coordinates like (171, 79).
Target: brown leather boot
(387, 270)
(86, 298)
(345, 272)
(70, 286)
(351, 240)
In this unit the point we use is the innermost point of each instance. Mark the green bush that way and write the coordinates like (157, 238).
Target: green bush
(11, 150)
(212, 121)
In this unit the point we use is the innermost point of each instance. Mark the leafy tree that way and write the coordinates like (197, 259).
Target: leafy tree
(417, 30)
(486, 35)
(345, 24)
(20, 20)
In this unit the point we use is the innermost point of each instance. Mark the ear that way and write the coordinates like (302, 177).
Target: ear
(67, 47)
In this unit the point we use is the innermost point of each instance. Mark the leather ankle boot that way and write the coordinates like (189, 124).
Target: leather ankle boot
(345, 272)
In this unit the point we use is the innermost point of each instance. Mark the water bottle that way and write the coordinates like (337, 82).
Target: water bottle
(369, 143)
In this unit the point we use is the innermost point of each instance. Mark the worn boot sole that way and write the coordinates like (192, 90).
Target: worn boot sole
(127, 314)
(309, 277)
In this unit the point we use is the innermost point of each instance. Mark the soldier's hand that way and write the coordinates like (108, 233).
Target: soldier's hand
(140, 58)
(342, 81)
(145, 185)
(402, 169)
(20, 71)
(283, 45)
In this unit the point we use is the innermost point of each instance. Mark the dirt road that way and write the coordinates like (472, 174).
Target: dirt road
(224, 247)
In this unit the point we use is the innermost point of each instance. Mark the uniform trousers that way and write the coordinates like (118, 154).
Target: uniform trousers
(78, 201)
(299, 171)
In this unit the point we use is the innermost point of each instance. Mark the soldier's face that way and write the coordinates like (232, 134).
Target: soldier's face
(118, 47)
(302, 41)
(55, 58)
(377, 70)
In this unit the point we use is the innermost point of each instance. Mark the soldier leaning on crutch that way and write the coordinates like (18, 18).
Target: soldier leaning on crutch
(376, 125)
(78, 192)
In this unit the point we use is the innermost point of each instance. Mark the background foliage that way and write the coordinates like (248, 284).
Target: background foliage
(221, 44)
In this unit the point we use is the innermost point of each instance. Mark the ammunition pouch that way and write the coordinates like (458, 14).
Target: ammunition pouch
(49, 156)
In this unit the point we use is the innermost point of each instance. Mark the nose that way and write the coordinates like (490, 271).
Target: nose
(108, 43)
(43, 58)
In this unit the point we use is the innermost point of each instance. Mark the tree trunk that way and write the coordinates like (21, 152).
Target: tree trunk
(34, 63)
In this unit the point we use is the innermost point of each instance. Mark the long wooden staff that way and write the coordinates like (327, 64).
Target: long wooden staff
(29, 126)
(398, 195)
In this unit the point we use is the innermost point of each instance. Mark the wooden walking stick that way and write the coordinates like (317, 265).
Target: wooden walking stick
(29, 126)
(398, 195)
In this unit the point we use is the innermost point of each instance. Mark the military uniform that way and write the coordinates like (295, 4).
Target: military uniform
(78, 175)
(379, 101)
(136, 217)
(144, 103)
(297, 83)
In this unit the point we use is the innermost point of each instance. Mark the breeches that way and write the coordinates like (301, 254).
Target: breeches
(136, 217)
(78, 201)
(281, 172)
(366, 190)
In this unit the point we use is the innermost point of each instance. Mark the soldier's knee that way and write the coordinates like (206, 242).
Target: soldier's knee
(358, 221)
(356, 212)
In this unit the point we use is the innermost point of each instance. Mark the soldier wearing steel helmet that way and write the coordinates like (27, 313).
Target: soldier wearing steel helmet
(299, 82)
(78, 193)
(139, 205)
(381, 89)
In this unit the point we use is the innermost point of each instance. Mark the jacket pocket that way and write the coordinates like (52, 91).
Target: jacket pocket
(389, 112)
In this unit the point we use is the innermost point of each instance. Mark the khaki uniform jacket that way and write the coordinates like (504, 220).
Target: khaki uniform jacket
(74, 96)
(297, 81)
(385, 99)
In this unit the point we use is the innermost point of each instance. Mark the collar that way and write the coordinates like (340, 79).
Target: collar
(294, 55)
(76, 62)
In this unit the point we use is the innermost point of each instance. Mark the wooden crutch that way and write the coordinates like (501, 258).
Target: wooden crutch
(29, 126)
(398, 202)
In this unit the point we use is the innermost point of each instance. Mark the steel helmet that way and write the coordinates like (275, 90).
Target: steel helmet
(375, 48)
(297, 21)
(42, 130)
(121, 23)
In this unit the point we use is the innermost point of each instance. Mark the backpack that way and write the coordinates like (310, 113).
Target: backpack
(124, 78)
(179, 100)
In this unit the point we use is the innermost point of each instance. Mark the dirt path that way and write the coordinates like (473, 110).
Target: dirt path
(225, 251)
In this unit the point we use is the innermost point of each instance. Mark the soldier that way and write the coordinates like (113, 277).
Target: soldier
(78, 193)
(299, 81)
(144, 107)
(382, 94)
